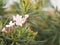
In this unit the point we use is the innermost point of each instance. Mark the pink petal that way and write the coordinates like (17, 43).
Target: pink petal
(14, 18)
(4, 30)
(26, 16)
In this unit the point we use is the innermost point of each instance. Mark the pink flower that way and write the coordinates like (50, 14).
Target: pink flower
(17, 17)
(11, 24)
(26, 16)
(19, 20)
(4, 30)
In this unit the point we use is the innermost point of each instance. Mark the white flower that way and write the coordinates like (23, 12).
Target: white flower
(10, 24)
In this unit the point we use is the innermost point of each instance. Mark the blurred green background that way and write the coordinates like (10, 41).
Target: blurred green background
(46, 22)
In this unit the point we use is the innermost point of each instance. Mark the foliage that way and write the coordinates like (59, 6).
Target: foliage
(16, 34)
(45, 23)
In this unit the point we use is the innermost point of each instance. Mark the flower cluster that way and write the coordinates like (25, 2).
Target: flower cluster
(18, 20)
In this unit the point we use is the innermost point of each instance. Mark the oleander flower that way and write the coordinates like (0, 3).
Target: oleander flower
(26, 16)
(19, 20)
(17, 17)
(11, 24)
(4, 30)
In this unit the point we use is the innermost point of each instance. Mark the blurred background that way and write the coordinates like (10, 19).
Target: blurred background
(44, 18)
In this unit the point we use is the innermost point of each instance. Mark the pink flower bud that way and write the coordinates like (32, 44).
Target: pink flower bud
(4, 30)
(26, 16)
